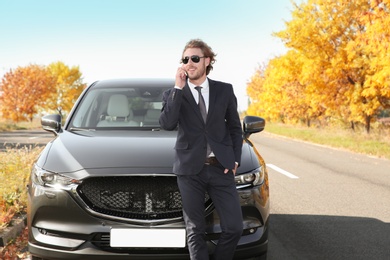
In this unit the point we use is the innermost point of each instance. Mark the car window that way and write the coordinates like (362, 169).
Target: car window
(112, 108)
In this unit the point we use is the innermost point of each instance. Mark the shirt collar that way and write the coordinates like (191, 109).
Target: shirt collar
(204, 85)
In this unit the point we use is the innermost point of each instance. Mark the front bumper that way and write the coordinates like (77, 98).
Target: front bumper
(89, 252)
(60, 228)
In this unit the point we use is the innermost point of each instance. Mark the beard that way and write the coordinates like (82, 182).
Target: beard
(197, 74)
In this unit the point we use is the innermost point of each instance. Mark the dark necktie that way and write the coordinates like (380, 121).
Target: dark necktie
(203, 111)
(201, 104)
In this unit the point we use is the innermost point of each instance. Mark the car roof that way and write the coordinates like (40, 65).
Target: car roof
(134, 82)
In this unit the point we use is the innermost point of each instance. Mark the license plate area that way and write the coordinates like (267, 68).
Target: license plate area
(140, 237)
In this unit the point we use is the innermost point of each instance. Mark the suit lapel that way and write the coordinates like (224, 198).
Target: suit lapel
(212, 97)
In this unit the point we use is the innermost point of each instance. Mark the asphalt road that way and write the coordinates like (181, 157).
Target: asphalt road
(24, 138)
(325, 203)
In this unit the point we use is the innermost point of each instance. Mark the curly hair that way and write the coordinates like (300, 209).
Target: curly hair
(206, 50)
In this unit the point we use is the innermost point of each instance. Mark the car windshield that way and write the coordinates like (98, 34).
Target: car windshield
(113, 108)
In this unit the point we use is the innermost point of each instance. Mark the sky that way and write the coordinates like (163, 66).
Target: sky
(142, 38)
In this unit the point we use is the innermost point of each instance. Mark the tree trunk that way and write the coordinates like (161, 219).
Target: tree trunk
(368, 124)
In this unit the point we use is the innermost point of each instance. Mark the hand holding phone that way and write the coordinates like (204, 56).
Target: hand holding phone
(181, 77)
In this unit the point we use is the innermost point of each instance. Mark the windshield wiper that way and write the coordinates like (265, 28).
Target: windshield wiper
(80, 129)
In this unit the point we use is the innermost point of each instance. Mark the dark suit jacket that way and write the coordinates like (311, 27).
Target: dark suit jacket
(222, 130)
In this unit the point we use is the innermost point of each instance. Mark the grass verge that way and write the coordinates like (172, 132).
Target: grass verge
(6, 125)
(15, 168)
(375, 144)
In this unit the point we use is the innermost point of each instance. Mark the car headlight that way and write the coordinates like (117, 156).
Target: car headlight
(43, 177)
(253, 178)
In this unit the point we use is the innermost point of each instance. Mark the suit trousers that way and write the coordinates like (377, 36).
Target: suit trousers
(221, 188)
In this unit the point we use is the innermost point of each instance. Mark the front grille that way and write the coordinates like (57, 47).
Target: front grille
(133, 197)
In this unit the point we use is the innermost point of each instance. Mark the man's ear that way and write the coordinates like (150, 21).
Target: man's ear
(207, 61)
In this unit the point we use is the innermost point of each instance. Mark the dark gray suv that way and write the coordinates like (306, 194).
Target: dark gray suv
(104, 187)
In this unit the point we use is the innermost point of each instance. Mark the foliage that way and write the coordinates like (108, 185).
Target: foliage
(68, 87)
(337, 66)
(34, 88)
(16, 249)
(25, 89)
(369, 55)
(15, 168)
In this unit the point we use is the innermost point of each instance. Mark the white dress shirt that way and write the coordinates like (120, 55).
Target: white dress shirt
(205, 92)
(195, 93)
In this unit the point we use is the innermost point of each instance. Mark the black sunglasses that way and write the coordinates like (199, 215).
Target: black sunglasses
(194, 58)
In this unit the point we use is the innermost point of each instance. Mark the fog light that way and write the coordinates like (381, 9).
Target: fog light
(42, 231)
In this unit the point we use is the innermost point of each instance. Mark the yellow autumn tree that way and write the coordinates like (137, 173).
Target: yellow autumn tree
(368, 56)
(68, 87)
(320, 31)
(340, 65)
(25, 90)
(277, 92)
(255, 92)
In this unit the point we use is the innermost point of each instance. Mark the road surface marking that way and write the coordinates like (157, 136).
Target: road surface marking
(276, 168)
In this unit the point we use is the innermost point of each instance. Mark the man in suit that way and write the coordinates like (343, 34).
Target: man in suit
(208, 149)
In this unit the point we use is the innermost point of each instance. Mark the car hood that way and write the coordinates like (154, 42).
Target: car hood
(83, 150)
(84, 153)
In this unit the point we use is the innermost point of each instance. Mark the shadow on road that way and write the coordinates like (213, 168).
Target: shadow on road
(328, 237)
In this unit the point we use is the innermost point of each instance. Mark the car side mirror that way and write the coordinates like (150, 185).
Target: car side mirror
(253, 124)
(52, 123)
